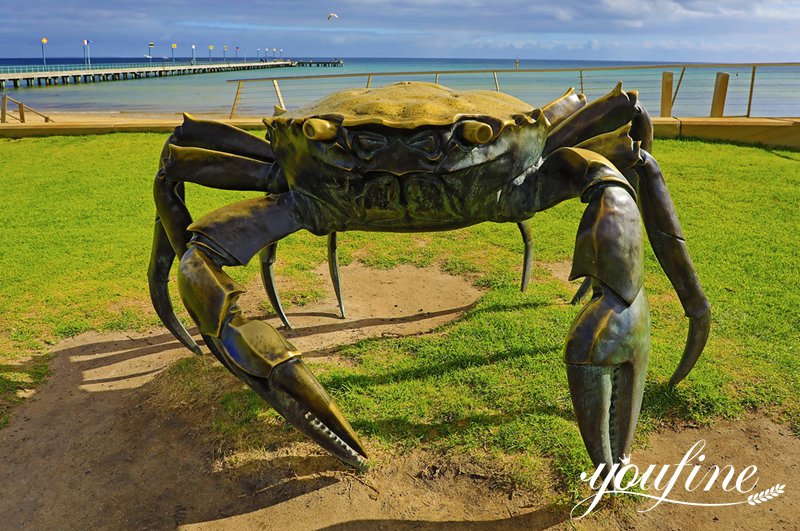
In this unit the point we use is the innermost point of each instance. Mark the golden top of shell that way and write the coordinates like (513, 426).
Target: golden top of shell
(410, 104)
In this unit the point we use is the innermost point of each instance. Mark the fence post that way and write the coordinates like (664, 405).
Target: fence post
(666, 94)
(278, 93)
(369, 81)
(581, 74)
(496, 83)
(236, 99)
(21, 112)
(752, 85)
(3, 108)
(720, 93)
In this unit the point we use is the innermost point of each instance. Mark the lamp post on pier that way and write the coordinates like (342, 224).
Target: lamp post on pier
(193, 60)
(173, 51)
(44, 58)
(87, 55)
(236, 51)
(224, 49)
(210, 47)
(258, 54)
(150, 46)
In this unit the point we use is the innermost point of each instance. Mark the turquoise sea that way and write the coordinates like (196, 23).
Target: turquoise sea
(214, 94)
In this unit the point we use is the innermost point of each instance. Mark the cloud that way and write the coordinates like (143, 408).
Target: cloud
(620, 29)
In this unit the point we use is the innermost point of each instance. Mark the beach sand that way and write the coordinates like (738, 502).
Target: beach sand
(110, 118)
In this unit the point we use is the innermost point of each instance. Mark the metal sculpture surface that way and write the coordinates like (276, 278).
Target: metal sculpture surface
(413, 157)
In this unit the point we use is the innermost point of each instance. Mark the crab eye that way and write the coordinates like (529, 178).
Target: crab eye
(475, 132)
(321, 130)
(427, 142)
(368, 143)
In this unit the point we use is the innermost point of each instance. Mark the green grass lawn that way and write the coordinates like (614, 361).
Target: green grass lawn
(77, 222)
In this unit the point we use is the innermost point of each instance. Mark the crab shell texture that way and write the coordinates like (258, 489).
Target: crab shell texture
(408, 156)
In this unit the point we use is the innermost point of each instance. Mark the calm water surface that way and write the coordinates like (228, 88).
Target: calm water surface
(212, 94)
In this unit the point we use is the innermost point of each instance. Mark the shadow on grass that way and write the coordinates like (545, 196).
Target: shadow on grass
(427, 371)
(399, 428)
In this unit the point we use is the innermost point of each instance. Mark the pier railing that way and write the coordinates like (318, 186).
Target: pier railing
(719, 89)
(24, 69)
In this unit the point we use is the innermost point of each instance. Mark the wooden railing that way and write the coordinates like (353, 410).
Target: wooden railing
(5, 113)
(762, 89)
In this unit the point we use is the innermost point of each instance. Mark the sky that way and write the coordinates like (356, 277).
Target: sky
(632, 30)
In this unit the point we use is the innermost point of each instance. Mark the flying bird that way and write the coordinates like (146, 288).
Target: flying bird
(332, 15)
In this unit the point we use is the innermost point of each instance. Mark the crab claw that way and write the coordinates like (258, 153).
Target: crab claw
(260, 356)
(607, 402)
(298, 397)
(293, 391)
(607, 386)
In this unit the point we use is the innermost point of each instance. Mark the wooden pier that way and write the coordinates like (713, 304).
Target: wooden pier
(332, 62)
(97, 73)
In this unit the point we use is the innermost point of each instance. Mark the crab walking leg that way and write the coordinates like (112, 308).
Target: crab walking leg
(669, 246)
(170, 236)
(161, 258)
(583, 289)
(607, 349)
(218, 136)
(333, 269)
(267, 257)
(251, 349)
(526, 230)
(596, 118)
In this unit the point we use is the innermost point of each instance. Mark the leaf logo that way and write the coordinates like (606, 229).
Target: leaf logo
(766, 495)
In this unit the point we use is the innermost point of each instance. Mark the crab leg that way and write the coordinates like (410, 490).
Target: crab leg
(526, 230)
(267, 257)
(188, 164)
(333, 269)
(161, 258)
(592, 127)
(251, 349)
(669, 246)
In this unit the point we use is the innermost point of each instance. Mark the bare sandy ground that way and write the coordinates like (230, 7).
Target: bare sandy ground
(61, 119)
(95, 448)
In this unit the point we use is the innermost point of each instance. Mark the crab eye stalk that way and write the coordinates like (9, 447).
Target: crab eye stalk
(475, 132)
(320, 130)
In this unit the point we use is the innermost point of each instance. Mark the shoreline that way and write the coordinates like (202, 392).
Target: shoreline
(61, 120)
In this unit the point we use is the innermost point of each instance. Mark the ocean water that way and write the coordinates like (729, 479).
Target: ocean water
(776, 90)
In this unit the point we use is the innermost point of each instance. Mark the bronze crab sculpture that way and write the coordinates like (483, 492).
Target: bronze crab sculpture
(413, 157)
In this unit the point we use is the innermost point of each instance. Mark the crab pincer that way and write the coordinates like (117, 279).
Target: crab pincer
(607, 348)
(261, 357)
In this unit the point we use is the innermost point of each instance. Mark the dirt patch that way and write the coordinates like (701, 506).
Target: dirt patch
(753, 441)
(92, 448)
